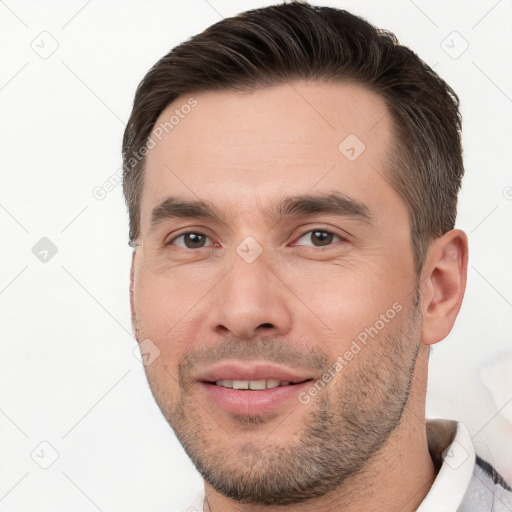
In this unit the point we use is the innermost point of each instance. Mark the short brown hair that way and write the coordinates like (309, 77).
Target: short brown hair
(280, 43)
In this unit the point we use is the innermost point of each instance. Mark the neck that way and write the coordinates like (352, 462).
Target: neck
(397, 477)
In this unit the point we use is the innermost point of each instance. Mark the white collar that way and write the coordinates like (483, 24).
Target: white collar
(450, 447)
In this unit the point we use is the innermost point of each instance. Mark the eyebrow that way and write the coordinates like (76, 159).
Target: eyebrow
(334, 203)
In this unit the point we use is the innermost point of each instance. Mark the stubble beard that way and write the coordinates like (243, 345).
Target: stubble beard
(350, 420)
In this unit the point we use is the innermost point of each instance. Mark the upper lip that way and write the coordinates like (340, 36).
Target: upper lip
(249, 371)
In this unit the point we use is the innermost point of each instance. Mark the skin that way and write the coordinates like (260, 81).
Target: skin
(297, 300)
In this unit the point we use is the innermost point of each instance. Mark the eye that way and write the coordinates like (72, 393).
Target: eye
(190, 240)
(320, 237)
(196, 240)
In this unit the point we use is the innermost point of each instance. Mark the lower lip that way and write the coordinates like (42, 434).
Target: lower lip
(247, 402)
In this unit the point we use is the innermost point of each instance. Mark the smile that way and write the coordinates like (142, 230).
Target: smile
(254, 385)
(251, 388)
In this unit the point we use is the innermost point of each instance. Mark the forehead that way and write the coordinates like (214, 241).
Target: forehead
(238, 148)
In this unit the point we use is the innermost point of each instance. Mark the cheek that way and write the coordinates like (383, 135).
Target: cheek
(338, 301)
(168, 313)
(162, 303)
(157, 317)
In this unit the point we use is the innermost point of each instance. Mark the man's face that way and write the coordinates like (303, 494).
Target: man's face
(254, 296)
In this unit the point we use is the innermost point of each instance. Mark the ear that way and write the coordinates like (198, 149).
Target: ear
(132, 302)
(443, 284)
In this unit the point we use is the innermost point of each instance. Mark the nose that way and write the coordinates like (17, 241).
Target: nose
(252, 299)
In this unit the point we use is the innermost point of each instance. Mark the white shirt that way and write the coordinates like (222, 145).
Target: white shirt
(461, 485)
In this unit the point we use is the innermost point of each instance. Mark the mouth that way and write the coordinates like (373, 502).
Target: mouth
(255, 385)
(252, 389)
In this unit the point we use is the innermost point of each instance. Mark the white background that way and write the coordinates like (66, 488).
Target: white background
(68, 374)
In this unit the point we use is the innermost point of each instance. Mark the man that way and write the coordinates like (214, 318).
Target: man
(291, 176)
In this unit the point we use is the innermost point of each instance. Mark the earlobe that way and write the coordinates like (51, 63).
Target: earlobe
(443, 285)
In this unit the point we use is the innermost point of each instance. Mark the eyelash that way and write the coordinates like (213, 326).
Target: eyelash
(341, 238)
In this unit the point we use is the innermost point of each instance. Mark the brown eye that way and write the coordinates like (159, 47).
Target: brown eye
(319, 237)
(190, 240)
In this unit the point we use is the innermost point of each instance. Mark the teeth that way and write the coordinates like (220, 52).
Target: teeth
(225, 383)
(257, 384)
(272, 383)
(252, 384)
